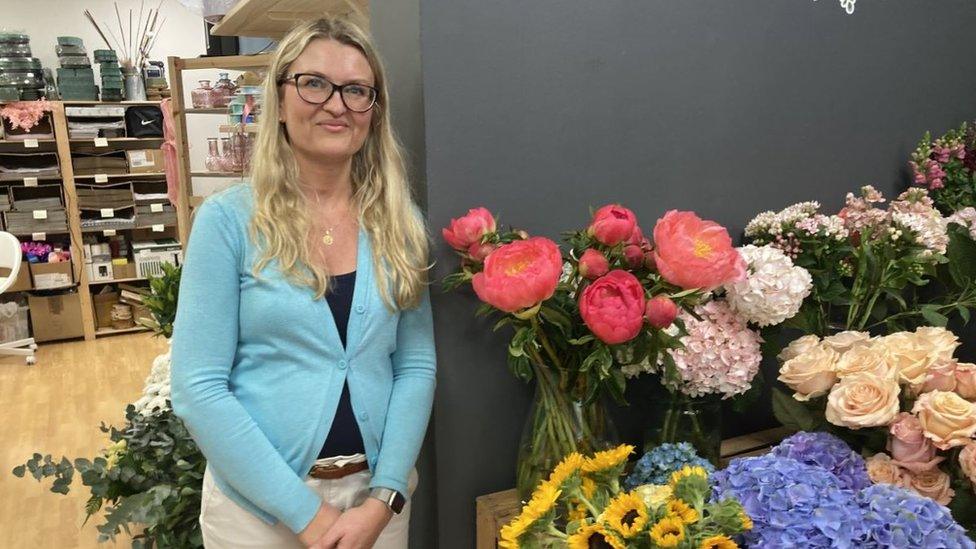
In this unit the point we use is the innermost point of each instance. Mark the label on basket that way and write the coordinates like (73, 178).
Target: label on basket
(101, 142)
(30, 181)
(38, 236)
(101, 178)
(156, 208)
(159, 228)
(109, 232)
(30, 143)
(40, 214)
(108, 212)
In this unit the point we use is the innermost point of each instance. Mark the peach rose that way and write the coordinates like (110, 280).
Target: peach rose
(693, 253)
(947, 419)
(881, 469)
(967, 461)
(941, 342)
(520, 274)
(863, 400)
(863, 357)
(798, 346)
(941, 376)
(966, 380)
(933, 483)
(844, 341)
(907, 442)
(811, 373)
(909, 356)
(469, 229)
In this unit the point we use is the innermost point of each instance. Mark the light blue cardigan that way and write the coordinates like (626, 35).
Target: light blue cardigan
(258, 367)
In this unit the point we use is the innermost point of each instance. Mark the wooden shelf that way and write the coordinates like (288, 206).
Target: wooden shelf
(122, 175)
(91, 140)
(116, 281)
(212, 110)
(236, 175)
(112, 331)
(234, 128)
(18, 144)
(274, 18)
(236, 62)
(110, 103)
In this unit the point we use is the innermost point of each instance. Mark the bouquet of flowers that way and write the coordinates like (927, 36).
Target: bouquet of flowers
(869, 264)
(581, 505)
(812, 491)
(904, 394)
(582, 319)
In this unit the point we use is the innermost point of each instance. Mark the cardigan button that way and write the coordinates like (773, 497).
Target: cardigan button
(342, 364)
(360, 309)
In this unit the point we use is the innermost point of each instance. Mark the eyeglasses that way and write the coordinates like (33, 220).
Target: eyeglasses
(316, 90)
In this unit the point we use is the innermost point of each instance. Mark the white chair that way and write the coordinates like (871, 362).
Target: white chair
(11, 258)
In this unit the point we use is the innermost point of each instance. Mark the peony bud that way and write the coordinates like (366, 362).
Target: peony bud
(479, 251)
(593, 264)
(660, 312)
(634, 256)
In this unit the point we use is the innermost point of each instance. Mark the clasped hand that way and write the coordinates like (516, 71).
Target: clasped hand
(356, 528)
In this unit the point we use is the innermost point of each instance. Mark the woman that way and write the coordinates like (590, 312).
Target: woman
(303, 356)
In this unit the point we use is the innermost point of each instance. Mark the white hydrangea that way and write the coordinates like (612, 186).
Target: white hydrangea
(929, 229)
(774, 289)
(773, 223)
(967, 218)
(155, 394)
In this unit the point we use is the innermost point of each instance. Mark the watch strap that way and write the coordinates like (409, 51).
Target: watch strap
(393, 499)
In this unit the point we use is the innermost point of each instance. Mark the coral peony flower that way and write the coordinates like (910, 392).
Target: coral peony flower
(660, 312)
(593, 264)
(468, 229)
(613, 307)
(634, 256)
(479, 251)
(520, 275)
(692, 253)
(612, 224)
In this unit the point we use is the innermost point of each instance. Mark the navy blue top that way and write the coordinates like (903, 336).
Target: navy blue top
(344, 438)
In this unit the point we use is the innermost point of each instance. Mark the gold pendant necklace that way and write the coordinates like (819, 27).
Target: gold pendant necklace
(327, 237)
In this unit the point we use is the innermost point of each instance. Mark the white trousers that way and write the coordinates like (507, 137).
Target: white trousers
(226, 525)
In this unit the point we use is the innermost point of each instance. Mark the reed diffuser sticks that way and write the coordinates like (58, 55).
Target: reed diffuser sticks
(133, 44)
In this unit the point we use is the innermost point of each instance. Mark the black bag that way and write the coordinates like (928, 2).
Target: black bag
(144, 122)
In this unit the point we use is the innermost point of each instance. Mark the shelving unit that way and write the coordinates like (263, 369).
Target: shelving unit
(177, 66)
(64, 147)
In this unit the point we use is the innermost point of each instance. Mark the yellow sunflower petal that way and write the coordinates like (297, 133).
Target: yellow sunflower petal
(718, 542)
(681, 510)
(687, 471)
(668, 532)
(595, 532)
(607, 459)
(626, 514)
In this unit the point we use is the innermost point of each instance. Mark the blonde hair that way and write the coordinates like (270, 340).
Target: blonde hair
(381, 194)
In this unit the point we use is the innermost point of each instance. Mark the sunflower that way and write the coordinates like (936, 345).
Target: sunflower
(681, 510)
(542, 501)
(511, 532)
(718, 542)
(687, 471)
(607, 459)
(626, 514)
(578, 511)
(746, 521)
(589, 487)
(668, 532)
(593, 535)
(569, 465)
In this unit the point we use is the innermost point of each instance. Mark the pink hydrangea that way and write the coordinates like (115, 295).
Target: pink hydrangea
(721, 354)
(25, 114)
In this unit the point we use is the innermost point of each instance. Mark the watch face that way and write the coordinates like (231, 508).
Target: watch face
(397, 502)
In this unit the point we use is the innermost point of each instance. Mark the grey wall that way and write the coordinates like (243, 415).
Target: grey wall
(538, 110)
(396, 30)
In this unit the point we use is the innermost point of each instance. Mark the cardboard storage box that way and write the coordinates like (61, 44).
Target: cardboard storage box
(48, 276)
(146, 161)
(124, 270)
(56, 316)
(102, 304)
(23, 282)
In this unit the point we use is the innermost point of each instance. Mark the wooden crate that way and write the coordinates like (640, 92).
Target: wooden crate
(496, 510)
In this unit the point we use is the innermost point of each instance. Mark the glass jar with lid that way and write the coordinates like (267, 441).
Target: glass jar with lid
(203, 96)
(224, 90)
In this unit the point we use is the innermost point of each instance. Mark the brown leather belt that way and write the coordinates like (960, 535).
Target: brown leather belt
(332, 472)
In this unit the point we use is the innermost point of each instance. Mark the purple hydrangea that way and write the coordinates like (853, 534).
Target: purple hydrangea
(828, 452)
(897, 518)
(792, 504)
(656, 466)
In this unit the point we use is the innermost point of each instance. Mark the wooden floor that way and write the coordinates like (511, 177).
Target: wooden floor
(55, 407)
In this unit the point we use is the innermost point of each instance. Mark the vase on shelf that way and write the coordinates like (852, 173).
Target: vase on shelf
(213, 155)
(202, 97)
(681, 418)
(558, 425)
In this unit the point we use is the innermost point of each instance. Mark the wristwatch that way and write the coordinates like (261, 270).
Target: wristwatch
(393, 499)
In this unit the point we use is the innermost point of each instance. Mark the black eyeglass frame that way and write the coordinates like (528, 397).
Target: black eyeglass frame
(293, 78)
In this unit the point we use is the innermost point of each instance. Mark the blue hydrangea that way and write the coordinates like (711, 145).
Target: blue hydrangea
(656, 466)
(827, 452)
(897, 518)
(792, 504)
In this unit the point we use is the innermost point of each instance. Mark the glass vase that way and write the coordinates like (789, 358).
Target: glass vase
(681, 418)
(558, 425)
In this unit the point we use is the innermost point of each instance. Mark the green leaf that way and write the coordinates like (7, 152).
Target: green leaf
(961, 253)
(791, 412)
(20, 470)
(933, 316)
(963, 313)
